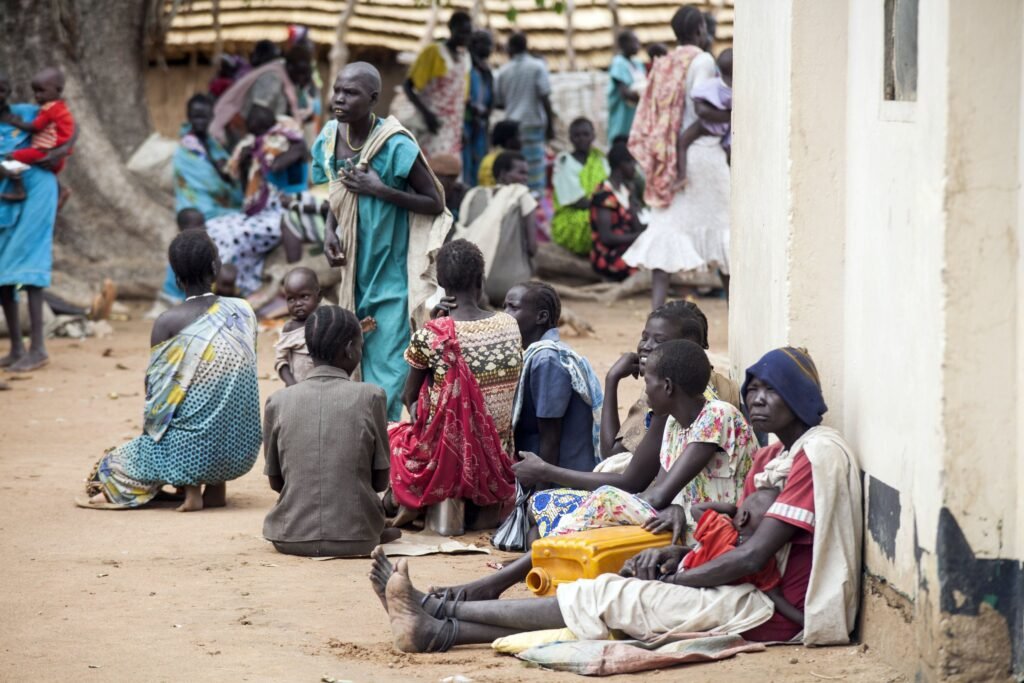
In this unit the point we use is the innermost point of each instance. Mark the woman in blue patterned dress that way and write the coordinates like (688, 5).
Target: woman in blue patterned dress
(202, 415)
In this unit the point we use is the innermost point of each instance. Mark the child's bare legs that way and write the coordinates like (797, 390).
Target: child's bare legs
(36, 356)
(10, 306)
(659, 288)
(193, 500)
(215, 495)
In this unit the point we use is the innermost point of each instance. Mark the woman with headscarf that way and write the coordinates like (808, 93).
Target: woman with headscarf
(813, 529)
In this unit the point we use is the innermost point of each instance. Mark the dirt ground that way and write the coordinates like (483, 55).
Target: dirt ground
(151, 594)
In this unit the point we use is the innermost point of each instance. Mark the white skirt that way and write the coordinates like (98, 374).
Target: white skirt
(691, 233)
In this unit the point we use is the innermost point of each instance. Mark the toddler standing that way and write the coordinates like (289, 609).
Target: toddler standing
(291, 356)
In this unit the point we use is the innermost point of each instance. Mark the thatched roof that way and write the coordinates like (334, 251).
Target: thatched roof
(399, 25)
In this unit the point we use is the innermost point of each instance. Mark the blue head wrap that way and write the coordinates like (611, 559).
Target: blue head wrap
(792, 374)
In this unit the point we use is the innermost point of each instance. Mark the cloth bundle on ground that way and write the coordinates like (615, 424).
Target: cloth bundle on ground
(608, 657)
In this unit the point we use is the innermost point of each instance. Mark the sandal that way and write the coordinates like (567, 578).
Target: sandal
(444, 598)
(446, 637)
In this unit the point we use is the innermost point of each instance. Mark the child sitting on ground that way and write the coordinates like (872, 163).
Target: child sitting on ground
(326, 444)
(711, 98)
(291, 357)
(575, 176)
(52, 127)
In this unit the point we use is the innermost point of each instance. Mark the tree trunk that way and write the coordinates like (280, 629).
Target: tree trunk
(112, 226)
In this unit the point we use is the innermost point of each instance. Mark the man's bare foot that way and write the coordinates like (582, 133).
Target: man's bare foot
(381, 570)
(215, 495)
(193, 500)
(33, 360)
(11, 358)
(413, 629)
(405, 515)
(389, 535)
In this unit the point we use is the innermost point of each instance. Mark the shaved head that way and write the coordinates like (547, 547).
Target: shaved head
(297, 278)
(365, 74)
(52, 75)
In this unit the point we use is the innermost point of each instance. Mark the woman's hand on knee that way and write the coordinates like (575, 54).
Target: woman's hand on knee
(653, 563)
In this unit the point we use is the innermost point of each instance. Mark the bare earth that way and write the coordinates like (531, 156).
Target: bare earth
(151, 594)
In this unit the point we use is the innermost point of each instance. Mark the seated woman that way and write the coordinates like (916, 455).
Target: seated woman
(818, 514)
(202, 418)
(575, 176)
(464, 368)
(271, 161)
(508, 250)
(614, 216)
(326, 445)
(201, 179)
(700, 451)
(674, 320)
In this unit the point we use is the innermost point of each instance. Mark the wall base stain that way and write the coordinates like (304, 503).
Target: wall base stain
(992, 589)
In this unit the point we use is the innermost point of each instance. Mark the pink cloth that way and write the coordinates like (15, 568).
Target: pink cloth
(230, 103)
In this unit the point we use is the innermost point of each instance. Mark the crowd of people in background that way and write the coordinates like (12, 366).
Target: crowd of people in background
(468, 393)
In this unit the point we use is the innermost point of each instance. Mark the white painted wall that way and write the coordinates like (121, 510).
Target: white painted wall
(885, 237)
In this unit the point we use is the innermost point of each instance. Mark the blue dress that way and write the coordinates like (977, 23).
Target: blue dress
(202, 416)
(26, 227)
(382, 280)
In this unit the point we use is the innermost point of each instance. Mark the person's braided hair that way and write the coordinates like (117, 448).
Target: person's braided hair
(546, 299)
(460, 266)
(682, 312)
(328, 330)
(193, 255)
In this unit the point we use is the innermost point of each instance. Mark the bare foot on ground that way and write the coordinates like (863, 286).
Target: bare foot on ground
(33, 360)
(215, 495)
(406, 515)
(381, 570)
(413, 629)
(11, 358)
(193, 500)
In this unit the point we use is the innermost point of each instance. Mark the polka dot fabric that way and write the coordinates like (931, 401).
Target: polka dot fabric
(246, 240)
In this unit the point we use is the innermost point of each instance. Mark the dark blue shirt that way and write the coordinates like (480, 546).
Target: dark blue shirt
(548, 393)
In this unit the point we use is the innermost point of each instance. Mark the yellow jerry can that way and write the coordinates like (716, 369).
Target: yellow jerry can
(586, 554)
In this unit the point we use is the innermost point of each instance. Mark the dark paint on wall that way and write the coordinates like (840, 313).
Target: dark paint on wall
(884, 516)
(968, 581)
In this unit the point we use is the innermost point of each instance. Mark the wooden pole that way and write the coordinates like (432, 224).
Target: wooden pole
(570, 50)
(339, 51)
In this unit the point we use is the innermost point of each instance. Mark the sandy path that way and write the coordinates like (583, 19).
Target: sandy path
(152, 594)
